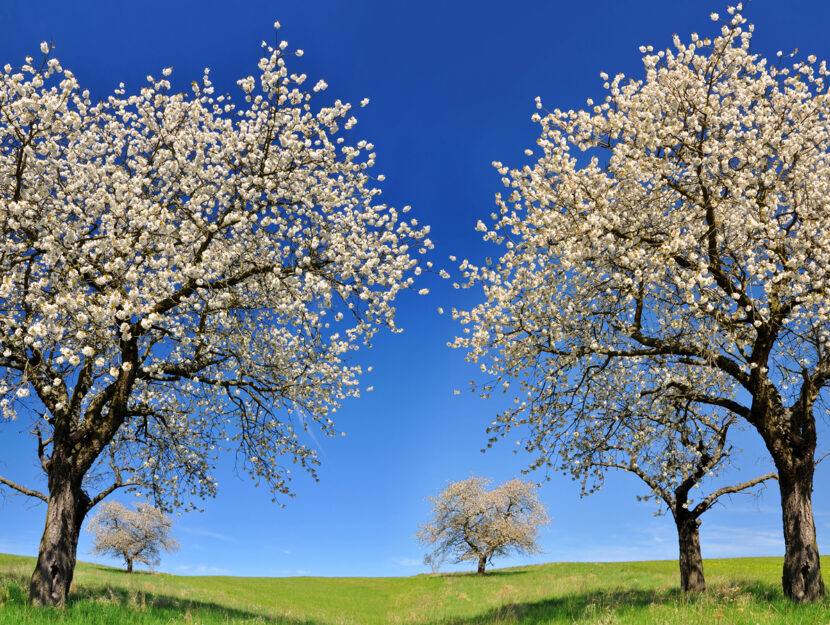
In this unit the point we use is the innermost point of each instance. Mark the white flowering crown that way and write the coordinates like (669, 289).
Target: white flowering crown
(181, 274)
(670, 245)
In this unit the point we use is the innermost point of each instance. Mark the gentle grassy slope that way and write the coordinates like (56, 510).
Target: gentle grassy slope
(742, 592)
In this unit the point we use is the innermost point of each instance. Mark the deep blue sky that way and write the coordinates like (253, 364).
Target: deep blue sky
(451, 86)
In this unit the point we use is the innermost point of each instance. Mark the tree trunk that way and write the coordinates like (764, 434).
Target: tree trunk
(482, 561)
(129, 565)
(691, 562)
(802, 571)
(67, 507)
(790, 437)
(76, 444)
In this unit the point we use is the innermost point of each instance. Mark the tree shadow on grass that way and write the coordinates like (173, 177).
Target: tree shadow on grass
(567, 608)
(154, 604)
(111, 569)
(576, 607)
(474, 575)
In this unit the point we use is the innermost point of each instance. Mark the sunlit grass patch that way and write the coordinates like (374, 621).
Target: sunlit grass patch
(742, 591)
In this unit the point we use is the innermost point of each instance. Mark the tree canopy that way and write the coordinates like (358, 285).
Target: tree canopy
(182, 276)
(472, 522)
(138, 535)
(671, 244)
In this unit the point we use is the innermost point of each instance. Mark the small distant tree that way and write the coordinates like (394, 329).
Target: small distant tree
(138, 535)
(471, 522)
(434, 562)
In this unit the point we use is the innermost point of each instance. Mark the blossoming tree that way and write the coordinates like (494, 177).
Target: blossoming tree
(181, 277)
(471, 522)
(138, 535)
(676, 231)
(671, 448)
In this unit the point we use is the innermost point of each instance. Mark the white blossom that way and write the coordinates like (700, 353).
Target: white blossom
(472, 522)
(194, 248)
(136, 536)
(663, 242)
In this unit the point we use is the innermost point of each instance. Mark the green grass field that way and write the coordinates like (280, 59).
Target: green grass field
(741, 591)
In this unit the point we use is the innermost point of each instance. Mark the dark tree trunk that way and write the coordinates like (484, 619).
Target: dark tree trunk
(129, 565)
(691, 562)
(76, 443)
(482, 561)
(790, 436)
(802, 571)
(66, 509)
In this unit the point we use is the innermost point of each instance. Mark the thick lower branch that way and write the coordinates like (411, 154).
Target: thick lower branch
(108, 491)
(709, 501)
(23, 490)
(701, 398)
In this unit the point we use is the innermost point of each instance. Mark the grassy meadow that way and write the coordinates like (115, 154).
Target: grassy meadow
(741, 591)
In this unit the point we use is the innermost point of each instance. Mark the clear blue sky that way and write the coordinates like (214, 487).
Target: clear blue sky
(451, 86)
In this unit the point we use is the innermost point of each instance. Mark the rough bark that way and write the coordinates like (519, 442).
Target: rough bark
(129, 565)
(482, 562)
(790, 437)
(691, 562)
(66, 509)
(802, 579)
(76, 444)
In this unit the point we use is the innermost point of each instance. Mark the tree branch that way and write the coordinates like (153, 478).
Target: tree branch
(723, 402)
(108, 491)
(23, 490)
(41, 450)
(674, 348)
(707, 503)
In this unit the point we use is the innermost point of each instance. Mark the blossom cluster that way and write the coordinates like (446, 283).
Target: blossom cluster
(182, 274)
(472, 522)
(670, 244)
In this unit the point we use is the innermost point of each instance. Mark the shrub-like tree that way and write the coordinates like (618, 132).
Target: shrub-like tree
(470, 522)
(675, 231)
(674, 451)
(180, 277)
(434, 562)
(138, 535)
